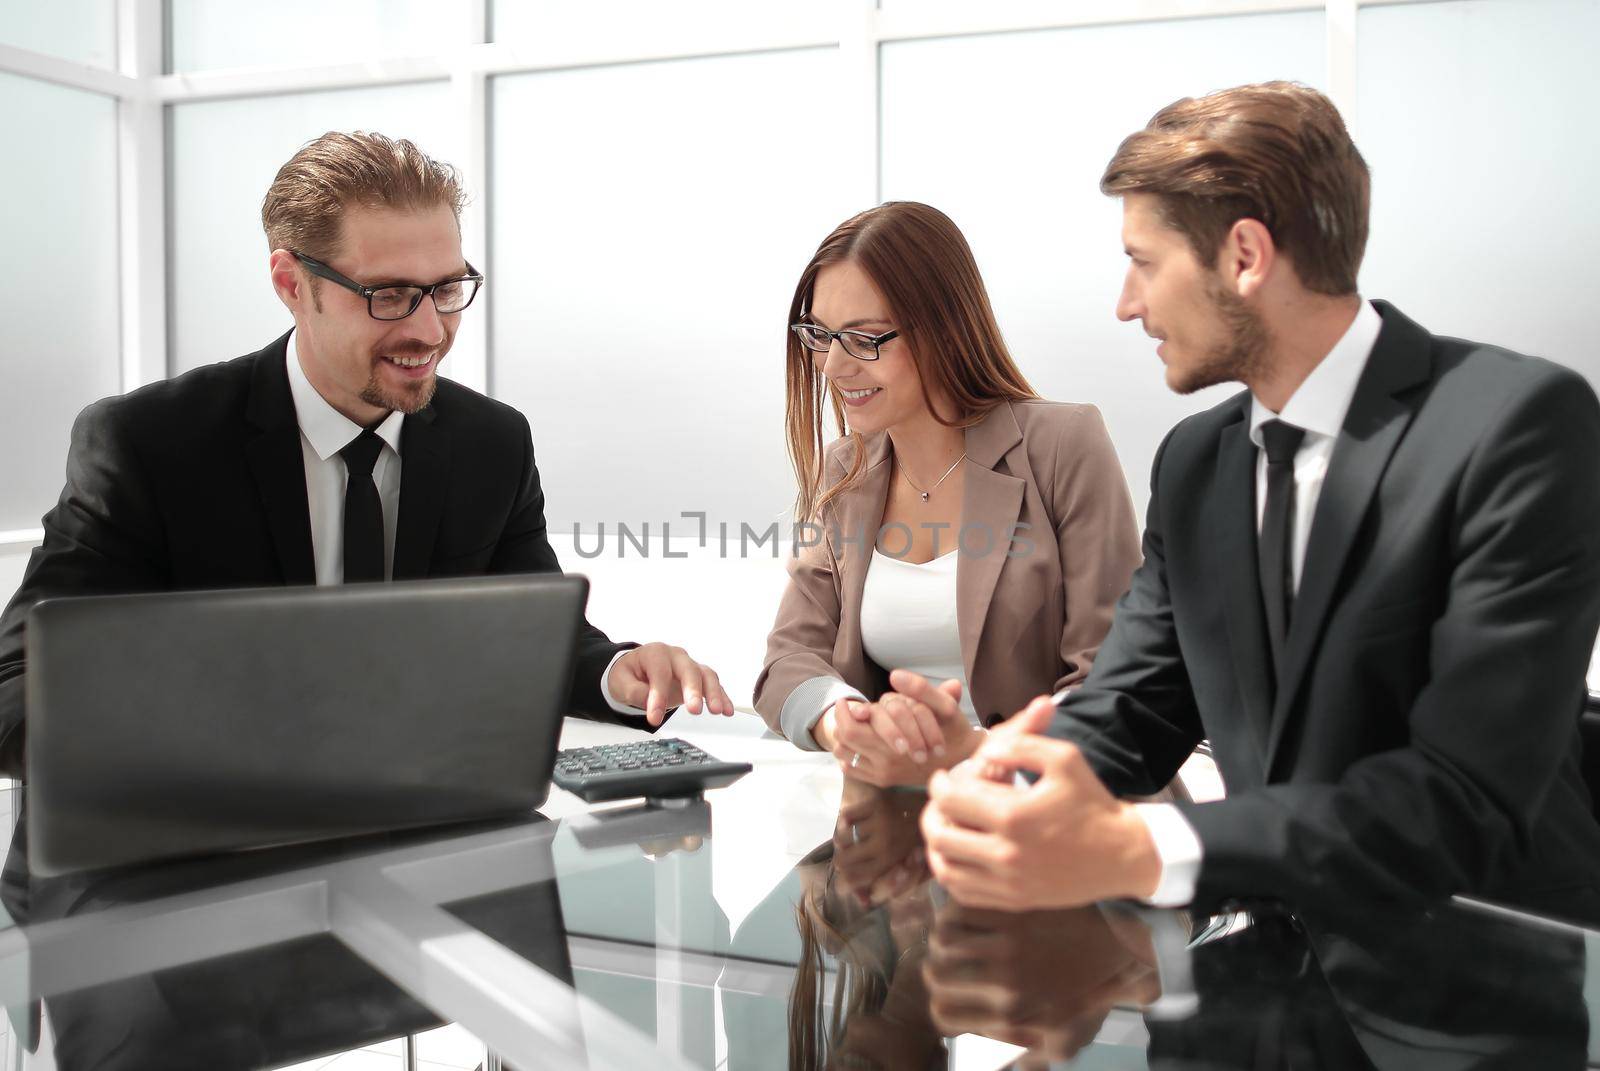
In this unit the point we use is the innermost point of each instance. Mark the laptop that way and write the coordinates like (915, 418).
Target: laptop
(179, 724)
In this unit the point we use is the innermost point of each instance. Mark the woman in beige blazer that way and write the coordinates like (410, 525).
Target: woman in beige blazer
(960, 526)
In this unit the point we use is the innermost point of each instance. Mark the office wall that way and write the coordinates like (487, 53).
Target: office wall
(645, 216)
(649, 221)
(1477, 118)
(58, 273)
(1013, 148)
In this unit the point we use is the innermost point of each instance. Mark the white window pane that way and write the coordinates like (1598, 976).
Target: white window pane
(1478, 120)
(207, 35)
(224, 156)
(58, 227)
(1009, 134)
(650, 222)
(81, 30)
(553, 27)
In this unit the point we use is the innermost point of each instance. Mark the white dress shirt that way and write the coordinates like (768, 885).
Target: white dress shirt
(1319, 405)
(324, 431)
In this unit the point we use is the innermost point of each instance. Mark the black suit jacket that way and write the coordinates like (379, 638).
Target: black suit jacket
(199, 482)
(1421, 737)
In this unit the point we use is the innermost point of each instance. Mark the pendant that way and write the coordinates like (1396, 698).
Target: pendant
(924, 496)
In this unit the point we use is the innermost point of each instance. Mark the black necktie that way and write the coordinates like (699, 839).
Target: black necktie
(1275, 547)
(363, 510)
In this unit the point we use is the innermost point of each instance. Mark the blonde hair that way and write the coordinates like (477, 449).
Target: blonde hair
(304, 208)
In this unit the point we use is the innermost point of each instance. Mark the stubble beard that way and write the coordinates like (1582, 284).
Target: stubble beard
(1243, 352)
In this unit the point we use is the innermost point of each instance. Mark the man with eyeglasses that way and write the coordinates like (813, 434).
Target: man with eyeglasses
(335, 454)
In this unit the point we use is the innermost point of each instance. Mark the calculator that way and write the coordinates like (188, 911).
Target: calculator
(654, 769)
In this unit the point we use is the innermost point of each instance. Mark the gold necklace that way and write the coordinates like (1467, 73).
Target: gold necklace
(936, 483)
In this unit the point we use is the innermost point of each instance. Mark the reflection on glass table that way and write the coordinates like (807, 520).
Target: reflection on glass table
(855, 959)
(260, 959)
(638, 937)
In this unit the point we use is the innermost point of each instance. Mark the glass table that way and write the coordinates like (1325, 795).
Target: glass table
(785, 921)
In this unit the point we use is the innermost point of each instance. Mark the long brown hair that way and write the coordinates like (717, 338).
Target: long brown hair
(862, 949)
(923, 267)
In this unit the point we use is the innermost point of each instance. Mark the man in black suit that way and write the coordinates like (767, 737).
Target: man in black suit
(1372, 580)
(335, 453)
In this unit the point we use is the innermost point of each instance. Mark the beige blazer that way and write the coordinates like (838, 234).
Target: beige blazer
(1031, 611)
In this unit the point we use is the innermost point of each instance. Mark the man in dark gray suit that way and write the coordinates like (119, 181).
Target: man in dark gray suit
(1371, 580)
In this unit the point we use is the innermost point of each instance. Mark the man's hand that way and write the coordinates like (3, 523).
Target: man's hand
(1064, 842)
(658, 676)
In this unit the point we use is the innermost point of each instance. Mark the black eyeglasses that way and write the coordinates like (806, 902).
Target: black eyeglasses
(858, 344)
(396, 301)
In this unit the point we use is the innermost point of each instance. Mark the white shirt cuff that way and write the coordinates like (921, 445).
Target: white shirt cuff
(1174, 967)
(605, 692)
(1179, 848)
(806, 705)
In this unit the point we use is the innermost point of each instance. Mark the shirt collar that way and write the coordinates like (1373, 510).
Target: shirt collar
(325, 428)
(1319, 404)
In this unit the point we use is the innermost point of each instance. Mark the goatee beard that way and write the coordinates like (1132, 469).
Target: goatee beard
(412, 398)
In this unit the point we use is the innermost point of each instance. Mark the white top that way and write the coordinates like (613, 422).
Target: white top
(1319, 405)
(908, 619)
(324, 431)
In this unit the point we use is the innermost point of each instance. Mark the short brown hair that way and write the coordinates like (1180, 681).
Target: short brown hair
(304, 207)
(921, 264)
(1276, 152)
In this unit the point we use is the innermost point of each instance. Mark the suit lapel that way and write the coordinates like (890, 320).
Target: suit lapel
(1233, 520)
(1372, 429)
(992, 499)
(276, 462)
(424, 477)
